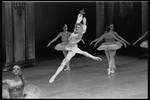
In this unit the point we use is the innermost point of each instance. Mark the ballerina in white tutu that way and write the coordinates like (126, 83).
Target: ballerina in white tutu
(18, 87)
(15, 86)
(110, 46)
(72, 47)
(144, 44)
(61, 46)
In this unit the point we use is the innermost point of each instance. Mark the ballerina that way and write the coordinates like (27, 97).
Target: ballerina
(61, 46)
(110, 46)
(18, 87)
(144, 44)
(15, 86)
(72, 47)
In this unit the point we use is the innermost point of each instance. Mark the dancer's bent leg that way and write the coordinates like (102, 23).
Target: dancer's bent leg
(62, 65)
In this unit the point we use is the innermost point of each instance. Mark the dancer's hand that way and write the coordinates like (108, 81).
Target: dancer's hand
(90, 43)
(125, 45)
(82, 11)
(20, 74)
(95, 45)
(133, 44)
(48, 44)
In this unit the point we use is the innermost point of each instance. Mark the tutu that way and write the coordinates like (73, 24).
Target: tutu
(110, 46)
(32, 91)
(5, 93)
(60, 46)
(71, 47)
(144, 44)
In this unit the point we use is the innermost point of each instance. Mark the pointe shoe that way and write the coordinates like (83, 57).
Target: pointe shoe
(67, 69)
(97, 58)
(109, 71)
(51, 80)
(112, 71)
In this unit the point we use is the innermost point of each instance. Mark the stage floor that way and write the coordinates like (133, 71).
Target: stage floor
(89, 79)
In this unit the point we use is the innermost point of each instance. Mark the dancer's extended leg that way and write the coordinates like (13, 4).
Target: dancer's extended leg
(87, 54)
(62, 65)
(68, 63)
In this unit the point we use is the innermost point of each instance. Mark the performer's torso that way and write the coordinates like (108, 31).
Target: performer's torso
(65, 36)
(109, 37)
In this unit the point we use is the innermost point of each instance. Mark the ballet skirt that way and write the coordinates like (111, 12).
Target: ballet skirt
(110, 46)
(28, 91)
(15, 90)
(31, 91)
(61, 46)
(71, 47)
(144, 44)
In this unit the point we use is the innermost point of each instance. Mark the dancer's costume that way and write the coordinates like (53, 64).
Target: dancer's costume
(62, 46)
(114, 45)
(144, 44)
(75, 38)
(16, 90)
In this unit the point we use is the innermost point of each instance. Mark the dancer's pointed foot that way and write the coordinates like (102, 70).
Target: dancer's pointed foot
(97, 58)
(109, 71)
(52, 80)
(112, 71)
(67, 69)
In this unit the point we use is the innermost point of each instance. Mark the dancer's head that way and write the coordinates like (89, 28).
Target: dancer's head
(65, 27)
(111, 26)
(78, 27)
(16, 70)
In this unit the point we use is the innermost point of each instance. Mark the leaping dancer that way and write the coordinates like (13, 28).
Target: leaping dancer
(72, 46)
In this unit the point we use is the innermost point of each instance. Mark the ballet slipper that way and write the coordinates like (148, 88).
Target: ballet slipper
(109, 71)
(52, 80)
(97, 58)
(66, 69)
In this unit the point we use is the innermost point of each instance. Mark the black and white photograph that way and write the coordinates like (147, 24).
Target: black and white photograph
(75, 49)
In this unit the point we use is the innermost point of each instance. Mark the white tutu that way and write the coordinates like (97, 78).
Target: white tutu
(60, 46)
(5, 93)
(144, 44)
(71, 47)
(110, 46)
(31, 91)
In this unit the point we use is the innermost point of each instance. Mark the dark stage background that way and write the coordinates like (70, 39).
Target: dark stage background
(49, 18)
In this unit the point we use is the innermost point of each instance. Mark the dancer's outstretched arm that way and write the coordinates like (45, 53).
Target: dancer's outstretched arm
(54, 39)
(116, 34)
(100, 39)
(140, 38)
(120, 40)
